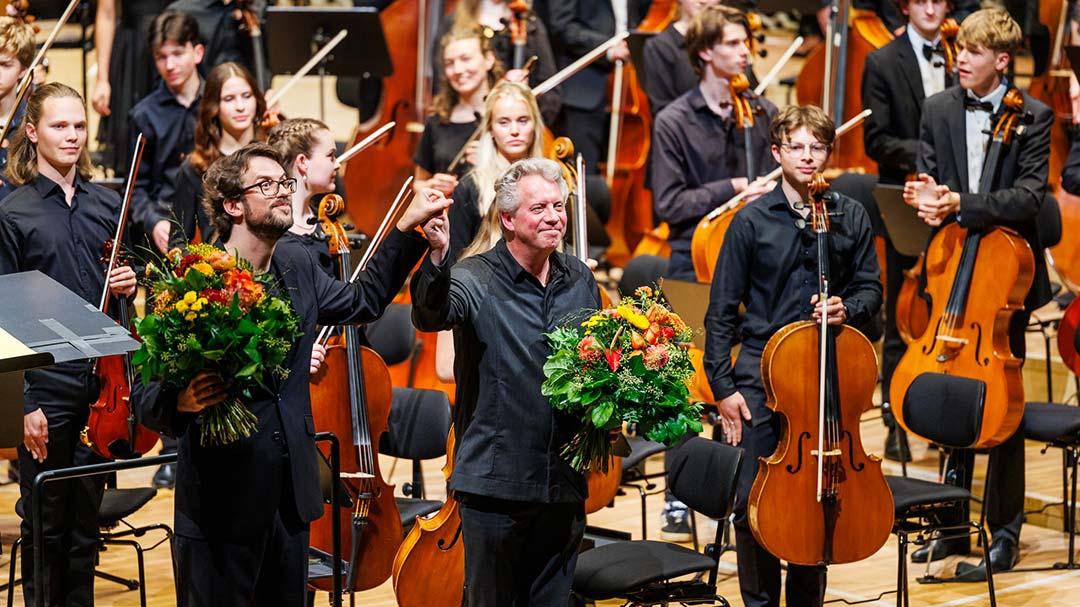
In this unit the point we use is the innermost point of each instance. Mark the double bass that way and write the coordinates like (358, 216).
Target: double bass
(350, 396)
(112, 430)
(820, 499)
(976, 280)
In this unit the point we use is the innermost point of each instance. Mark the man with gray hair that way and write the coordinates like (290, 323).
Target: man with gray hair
(522, 505)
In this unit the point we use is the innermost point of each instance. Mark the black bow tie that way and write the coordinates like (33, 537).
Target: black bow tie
(974, 105)
(929, 50)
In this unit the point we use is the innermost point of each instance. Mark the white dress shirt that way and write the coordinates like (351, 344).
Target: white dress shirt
(621, 18)
(978, 138)
(933, 76)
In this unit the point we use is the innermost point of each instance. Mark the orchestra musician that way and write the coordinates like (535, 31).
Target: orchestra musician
(668, 71)
(896, 80)
(229, 112)
(766, 264)
(166, 118)
(57, 222)
(946, 191)
(243, 510)
(522, 505)
(16, 54)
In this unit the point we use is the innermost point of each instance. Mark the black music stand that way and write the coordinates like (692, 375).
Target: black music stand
(296, 33)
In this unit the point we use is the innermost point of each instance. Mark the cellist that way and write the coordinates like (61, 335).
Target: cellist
(952, 148)
(57, 222)
(768, 264)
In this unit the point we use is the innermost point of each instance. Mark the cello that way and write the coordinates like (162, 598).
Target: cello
(350, 396)
(112, 430)
(820, 499)
(981, 277)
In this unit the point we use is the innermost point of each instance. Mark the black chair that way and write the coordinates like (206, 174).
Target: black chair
(418, 426)
(946, 410)
(393, 335)
(703, 475)
(635, 477)
(116, 506)
(642, 271)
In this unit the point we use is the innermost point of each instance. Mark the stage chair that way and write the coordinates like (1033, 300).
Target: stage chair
(704, 476)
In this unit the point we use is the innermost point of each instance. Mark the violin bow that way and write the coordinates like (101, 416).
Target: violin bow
(125, 210)
(775, 71)
(575, 67)
(307, 67)
(581, 234)
(24, 83)
(367, 141)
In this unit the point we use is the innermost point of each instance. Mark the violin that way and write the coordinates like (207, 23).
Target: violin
(519, 31)
(820, 499)
(949, 30)
(351, 396)
(976, 280)
(112, 431)
(744, 118)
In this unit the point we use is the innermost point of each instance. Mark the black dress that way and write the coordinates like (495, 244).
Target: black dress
(439, 144)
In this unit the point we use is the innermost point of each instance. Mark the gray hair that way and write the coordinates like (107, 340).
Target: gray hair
(506, 186)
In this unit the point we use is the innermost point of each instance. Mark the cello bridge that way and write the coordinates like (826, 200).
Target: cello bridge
(829, 453)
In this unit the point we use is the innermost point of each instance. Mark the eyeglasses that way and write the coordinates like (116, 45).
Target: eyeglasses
(269, 187)
(798, 149)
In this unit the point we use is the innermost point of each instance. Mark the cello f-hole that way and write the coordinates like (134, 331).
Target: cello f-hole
(857, 467)
(798, 463)
(979, 359)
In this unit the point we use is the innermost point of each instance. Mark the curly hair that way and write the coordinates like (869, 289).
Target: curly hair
(17, 39)
(224, 180)
(293, 137)
(208, 125)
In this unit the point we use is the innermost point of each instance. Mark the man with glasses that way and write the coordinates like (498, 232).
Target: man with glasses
(769, 264)
(243, 510)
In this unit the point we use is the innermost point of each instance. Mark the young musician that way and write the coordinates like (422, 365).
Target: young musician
(229, 112)
(16, 55)
(897, 78)
(522, 505)
(699, 160)
(768, 264)
(249, 504)
(166, 118)
(57, 222)
(953, 143)
(668, 71)
(470, 69)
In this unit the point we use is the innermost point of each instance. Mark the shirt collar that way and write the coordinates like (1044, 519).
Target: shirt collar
(995, 96)
(515, 269)
(917, 41)
(45, 186)
(167, 96)
(697, 99)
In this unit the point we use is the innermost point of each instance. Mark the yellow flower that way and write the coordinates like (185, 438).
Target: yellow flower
(634, 317)
(181, 307)
(203, 268)
(197, 306)
(190, 297)
(594, 320)
(190, 316)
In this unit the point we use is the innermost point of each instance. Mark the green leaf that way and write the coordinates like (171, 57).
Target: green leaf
(248, 370)
(602, 413)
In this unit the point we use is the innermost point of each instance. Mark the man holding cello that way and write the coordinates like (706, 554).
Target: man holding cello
(768, 264)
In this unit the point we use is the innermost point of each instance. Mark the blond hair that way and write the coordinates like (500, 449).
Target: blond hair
(17, 39)
(992, 29)
(293, 137)
(22, 157)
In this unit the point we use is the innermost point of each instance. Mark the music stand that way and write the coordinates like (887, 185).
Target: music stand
(296, 33)
(908, 233)
(636, 44)
(689, 300)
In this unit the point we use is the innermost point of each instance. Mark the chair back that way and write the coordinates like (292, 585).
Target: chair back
(418, 426)
(945, 409)
(393, 335)
(642, 271)
(703, 474)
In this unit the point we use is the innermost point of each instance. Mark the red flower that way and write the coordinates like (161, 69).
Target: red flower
(186, 262)
(613, 357)
(216, 296)
(667, 332)
(656, 357)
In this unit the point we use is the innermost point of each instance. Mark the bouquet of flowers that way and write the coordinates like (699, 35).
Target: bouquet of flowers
(624, 364)
(207, 309)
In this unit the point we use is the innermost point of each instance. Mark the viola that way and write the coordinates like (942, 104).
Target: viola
(112, 430)
(820, 499)
(976, 280)
(351, 396)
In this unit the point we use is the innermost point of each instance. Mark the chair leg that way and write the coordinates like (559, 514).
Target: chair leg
(989, 569)
(1070, 517)
(11, 570)
(644, 518)
(901, 568)
(142, 575)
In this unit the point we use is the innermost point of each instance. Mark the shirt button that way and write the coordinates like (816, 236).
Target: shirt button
(276, 437)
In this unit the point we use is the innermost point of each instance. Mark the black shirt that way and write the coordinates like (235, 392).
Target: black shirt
(668, 73)
(464, 216)
(439, 144)
(315, 244)
(769, 265)
(169, 129)
(696, 155)
(508, 435)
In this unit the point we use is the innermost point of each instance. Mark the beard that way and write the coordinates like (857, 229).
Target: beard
(268, 225)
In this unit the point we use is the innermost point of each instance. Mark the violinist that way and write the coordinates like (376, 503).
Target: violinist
(494, 18)
(166, 118)
(57, 222)
(953, 144)
(699, 159)
(768, 263)
(470, 69)
(16, 54)
(522, 505)
(229, 111)
(896, 80)
(668, 71)
(250, 504)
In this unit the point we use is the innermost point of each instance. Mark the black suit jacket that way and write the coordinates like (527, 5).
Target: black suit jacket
(231, 493)
(1021, 178)
(577, 27)
(892, 87)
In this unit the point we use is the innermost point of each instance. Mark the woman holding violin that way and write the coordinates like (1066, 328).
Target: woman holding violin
(57, 222)
(763, 266)
(228, 119)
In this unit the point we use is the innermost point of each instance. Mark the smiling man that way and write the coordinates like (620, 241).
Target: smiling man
(522, 505)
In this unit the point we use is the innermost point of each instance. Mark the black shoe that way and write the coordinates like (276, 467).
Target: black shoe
(165, 477)
(1004, 554)
(942, 549)
(896, 446)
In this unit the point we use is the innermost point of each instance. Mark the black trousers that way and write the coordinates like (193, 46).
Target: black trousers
(70, 508)
(271, 570)
(519, 554)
